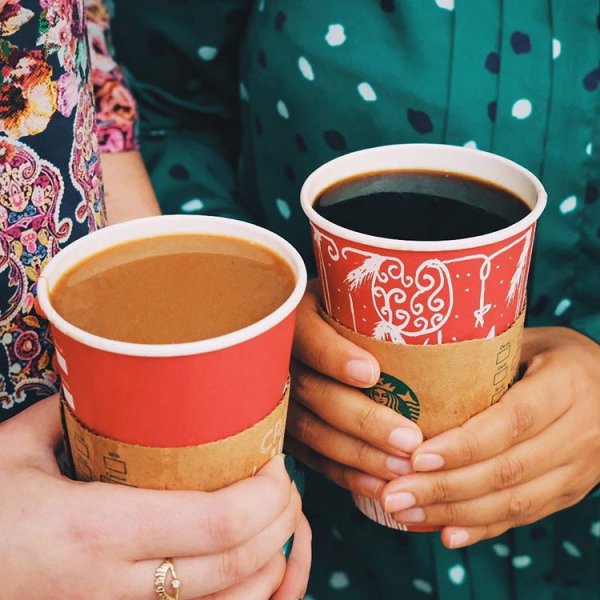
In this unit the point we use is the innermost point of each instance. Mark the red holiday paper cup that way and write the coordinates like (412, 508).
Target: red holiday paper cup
(420, 292)
(171, 395)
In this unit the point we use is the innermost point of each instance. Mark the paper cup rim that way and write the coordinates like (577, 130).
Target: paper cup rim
(139, 229)
(307, 198)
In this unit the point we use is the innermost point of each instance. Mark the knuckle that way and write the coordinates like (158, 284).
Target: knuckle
(440, 491)
(84, 533)
(276, 494)
(302, 382)
(342, 477)
(308, 388)
(350, 479)
(575, 377)
(233, 565)
(366, 419)
(518, 508)
(89, 530)
(322, 354)
(362, 453)
(569, 499)
(492, 531)
(486, 532)
(521, 420)
(304, 427)
(468, 446)
(221, 527)
(450, 513)
(508, 471)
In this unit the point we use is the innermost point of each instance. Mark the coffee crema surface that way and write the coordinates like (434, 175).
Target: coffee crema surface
(420, 205)
(173, 288)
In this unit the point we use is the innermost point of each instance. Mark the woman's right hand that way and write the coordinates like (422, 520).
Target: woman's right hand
(63, 539)
(334, 427)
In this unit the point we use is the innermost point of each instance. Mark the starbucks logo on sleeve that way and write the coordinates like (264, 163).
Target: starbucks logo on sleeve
(394, 393)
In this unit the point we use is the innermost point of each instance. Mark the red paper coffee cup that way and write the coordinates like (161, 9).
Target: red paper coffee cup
(419, 292)
(423, 292)
(171, 395)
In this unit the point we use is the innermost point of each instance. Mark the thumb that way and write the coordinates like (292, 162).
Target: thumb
(34, 432)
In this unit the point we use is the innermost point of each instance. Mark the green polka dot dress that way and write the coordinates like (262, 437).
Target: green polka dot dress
(241, 100)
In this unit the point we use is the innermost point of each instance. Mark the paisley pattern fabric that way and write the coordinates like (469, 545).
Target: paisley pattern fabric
(240, 100)
(60, 92)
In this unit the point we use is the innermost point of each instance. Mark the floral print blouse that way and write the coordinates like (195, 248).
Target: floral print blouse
(62, 100)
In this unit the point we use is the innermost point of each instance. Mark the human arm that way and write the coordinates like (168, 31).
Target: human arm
(190, 130)
(128, 193)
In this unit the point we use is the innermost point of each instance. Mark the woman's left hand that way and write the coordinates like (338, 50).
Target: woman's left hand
(535, 452)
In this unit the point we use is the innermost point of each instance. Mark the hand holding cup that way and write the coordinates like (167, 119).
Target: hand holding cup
(333, 426)
(535, 452)
(107, 540)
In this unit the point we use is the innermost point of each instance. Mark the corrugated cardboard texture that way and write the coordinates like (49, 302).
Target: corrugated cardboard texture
(442, 386)
(371, 507)
(206, 467)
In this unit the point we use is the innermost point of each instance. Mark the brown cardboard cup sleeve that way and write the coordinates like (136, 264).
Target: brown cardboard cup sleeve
(205, 467)
(438, 386)
(441, 386)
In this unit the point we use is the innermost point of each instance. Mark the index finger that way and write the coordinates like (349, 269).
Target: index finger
(529, 407)
(319, 346)
(351, 412)
(150, 523)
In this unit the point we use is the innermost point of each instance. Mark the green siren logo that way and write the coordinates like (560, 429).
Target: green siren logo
(397, 395)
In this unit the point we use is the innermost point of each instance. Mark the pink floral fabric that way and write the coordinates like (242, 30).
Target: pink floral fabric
(116, 111)
(62, 101)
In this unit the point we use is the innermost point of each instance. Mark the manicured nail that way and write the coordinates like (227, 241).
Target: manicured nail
(398, 466)
(363, 372)
(405, 439)
(459, 538)
(412, 515)
(428, 462)
(398, 501)
(371, 485)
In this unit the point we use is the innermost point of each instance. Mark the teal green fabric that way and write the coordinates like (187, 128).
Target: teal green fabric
(241, 100)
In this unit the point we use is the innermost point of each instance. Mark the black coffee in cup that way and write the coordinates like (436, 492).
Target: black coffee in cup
(420, 205)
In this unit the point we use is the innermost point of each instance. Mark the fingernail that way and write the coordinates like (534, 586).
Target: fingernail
(370, 485)
(398, 501)
(398, 466)
(412, 515)
(363, 372)
(459, 538)
(405, 439)
(428, 462)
